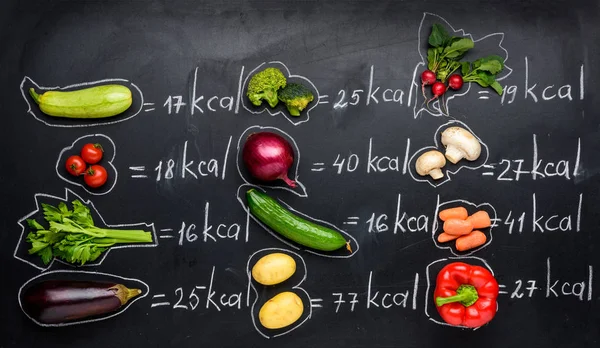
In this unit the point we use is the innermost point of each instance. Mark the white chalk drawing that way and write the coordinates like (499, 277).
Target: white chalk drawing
(110, 151)
(20, 252)
(429, 292)
(134, 110)
(471, 208)
(110, 277)
(280, 109)
(241, 194)
(307, 314)
(448, 169)
(415, 95)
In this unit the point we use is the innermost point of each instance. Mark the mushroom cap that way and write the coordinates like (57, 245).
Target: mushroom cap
(429, 161)
(463, 140)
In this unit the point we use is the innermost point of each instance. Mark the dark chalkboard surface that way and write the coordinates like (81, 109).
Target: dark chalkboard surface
(175, 168)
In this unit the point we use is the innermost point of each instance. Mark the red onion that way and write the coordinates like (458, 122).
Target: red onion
(268, 157)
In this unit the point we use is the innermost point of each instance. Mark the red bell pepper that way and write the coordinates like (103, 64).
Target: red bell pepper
(465, 295)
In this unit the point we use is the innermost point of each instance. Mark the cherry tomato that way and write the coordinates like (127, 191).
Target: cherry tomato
(75, 165)
(92, 153)
(95, 176)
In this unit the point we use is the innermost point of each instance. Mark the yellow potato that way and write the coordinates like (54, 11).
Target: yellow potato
(281, 311)
(273, 268)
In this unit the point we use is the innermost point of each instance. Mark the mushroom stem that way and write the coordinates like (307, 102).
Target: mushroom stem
(431, 163)
(436, 174)
(454, 154)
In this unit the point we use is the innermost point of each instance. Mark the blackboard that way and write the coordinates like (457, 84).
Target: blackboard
(537, 175)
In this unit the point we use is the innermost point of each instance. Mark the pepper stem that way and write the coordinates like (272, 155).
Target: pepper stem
(465, 294)
(35, 96)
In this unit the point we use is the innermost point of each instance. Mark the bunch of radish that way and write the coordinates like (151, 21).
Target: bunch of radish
(438, 88)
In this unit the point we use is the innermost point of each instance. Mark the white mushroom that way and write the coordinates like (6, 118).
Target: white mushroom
(460, 143)
(431, 163)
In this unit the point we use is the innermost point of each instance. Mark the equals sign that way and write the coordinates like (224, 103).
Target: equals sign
(323, 99)
(136, 172)
(315, 302)
(352, 220)
(159, 297)
(483, 95)
(502, 287)
(319, 167)
(487, 166)
(149, 107)
(167, 235)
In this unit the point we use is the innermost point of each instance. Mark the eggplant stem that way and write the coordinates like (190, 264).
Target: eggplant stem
(124, 294)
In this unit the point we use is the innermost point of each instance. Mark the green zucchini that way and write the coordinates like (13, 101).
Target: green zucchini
(93, 102)
(291, 226)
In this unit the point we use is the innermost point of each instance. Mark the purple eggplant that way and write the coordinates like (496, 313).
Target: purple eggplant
(63, 301)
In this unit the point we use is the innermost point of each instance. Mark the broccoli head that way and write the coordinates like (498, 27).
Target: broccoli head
(264, 85)
(296, 97)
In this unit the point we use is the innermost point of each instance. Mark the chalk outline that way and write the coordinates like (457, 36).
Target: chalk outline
(266, 108)
(416, 87)
(121, 309)
(243, 137)
(295, 287)
(82, 84)
(435, 224)
(22, 222)
(110, 162)
(427, 294)
(436, 136)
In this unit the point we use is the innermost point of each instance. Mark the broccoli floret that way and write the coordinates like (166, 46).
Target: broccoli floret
(264, 85)
(296, 97)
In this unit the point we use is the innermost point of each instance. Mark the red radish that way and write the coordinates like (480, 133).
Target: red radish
(268, 157)
(438, 89)
(427, 77)
(455, 82)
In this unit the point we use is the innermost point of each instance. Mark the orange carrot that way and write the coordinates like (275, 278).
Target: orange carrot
(471, 241)
(480, 219)
(454, 213)
(445, 237)
(458, 227)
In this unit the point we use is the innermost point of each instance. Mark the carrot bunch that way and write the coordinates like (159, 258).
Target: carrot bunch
(464, 229)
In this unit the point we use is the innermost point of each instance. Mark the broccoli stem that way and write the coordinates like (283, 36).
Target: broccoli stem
(293, 111)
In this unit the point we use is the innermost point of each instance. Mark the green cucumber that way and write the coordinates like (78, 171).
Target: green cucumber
(93, 102)
(291, 226)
